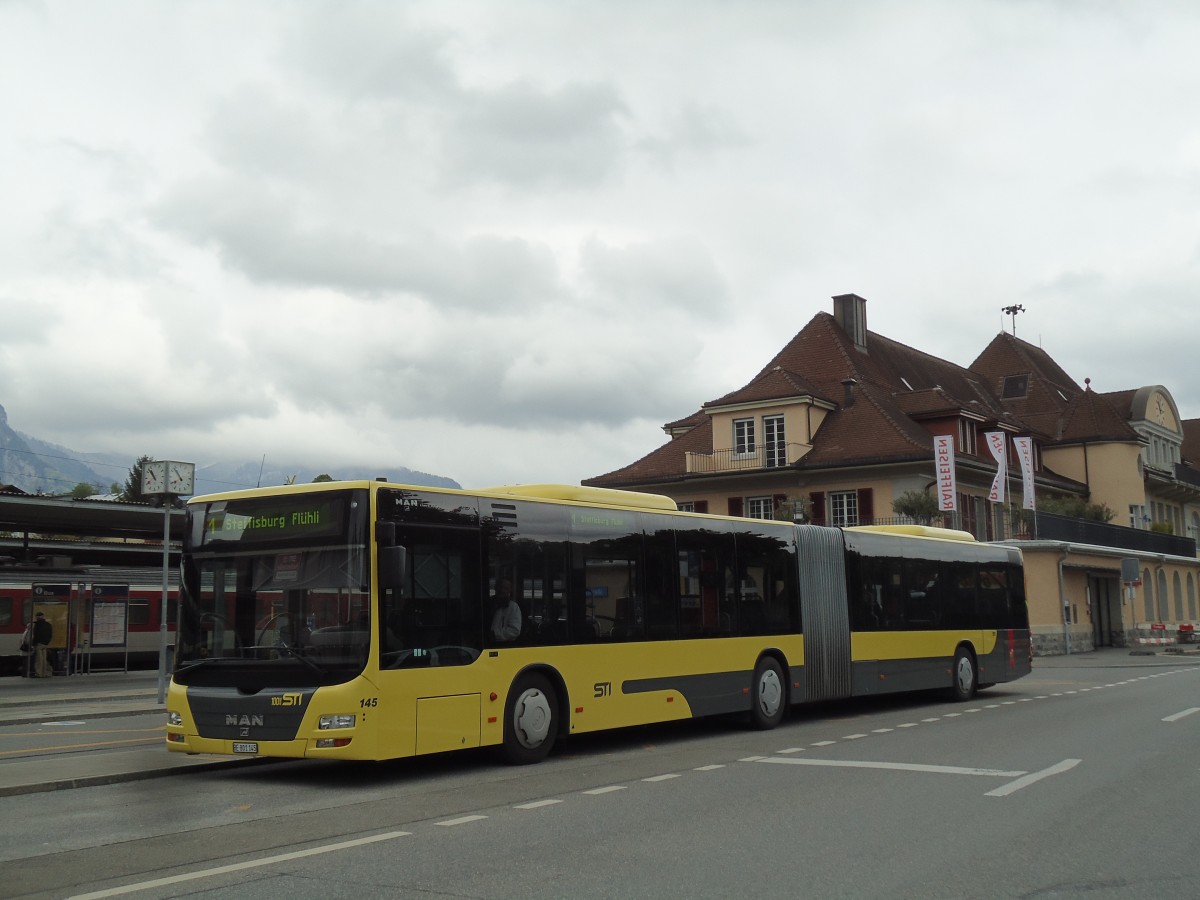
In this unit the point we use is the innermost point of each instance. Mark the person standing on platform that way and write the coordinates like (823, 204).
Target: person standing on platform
(43, 634)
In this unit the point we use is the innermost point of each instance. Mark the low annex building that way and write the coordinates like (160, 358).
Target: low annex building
(840, 424)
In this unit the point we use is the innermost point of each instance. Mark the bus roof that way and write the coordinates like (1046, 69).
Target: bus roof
(926, 531)
(564, 492)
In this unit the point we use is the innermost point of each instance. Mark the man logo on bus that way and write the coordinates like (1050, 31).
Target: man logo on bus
(234, 719)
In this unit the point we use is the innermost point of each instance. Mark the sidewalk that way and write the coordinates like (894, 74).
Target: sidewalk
(82, 698)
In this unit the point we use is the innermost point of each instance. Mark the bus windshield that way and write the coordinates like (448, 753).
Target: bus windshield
(276, 591)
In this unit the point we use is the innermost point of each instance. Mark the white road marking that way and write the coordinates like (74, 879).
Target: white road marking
(1179, 715)
(238, 867)
(824, 743)
(900, 767)
(881, 730)
(709, 768)
(537, 804)
(663, 777)
(605, 790)
(1025, 781)
(791, 750)
(853, 737)
(908, 725)
(750, 759)
(461, 820)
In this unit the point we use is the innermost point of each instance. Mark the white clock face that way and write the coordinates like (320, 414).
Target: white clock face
(181, 478)
(154, 477)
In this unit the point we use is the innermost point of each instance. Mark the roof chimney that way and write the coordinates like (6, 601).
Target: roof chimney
(850, 312)
(848, 398)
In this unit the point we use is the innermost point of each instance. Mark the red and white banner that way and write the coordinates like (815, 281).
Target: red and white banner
(996, 441)
(943, 460)
(1024, 447)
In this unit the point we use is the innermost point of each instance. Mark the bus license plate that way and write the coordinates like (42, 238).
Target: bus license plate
(245, 747)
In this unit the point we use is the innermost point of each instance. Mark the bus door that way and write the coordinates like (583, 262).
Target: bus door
(825, 614)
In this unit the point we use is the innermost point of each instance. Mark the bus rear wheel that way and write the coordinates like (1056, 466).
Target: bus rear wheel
(530, 721)
(965, 678)
(768, 694)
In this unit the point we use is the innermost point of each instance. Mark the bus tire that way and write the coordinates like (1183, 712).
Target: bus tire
(965, 678)
(530, 721)
(768, 694)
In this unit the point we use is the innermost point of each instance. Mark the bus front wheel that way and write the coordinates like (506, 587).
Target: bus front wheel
(530, 721)
(965, 677)
(768, 694)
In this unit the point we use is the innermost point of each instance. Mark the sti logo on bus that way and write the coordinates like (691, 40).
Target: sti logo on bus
(602, 689)
(287, 700)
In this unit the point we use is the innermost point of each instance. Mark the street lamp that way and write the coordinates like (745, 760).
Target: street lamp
(166, 478)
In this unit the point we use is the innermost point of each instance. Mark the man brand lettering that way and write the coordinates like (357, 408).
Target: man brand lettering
(243, 720)
(287, 700)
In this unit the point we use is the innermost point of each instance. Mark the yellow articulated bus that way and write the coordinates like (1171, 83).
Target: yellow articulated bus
(366, 620)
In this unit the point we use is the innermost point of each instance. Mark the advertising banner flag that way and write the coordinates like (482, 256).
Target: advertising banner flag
(1024, 447)
(943, 460)
(996, 443)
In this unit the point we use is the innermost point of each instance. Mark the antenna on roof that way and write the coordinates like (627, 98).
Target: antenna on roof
(1012, 311)
(260, 470)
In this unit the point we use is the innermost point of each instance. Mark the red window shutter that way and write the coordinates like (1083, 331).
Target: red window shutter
(866, 507)
(700, 506)
(818, 507)
(735, 506)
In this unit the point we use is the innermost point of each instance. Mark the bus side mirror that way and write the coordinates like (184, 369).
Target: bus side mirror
(393, 566)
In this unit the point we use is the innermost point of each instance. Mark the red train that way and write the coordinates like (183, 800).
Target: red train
(103, 617)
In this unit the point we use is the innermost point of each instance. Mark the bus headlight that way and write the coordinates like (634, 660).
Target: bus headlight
(174, 718)
(328, 722)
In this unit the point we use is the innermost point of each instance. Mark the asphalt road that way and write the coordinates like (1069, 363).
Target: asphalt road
(1079, 781)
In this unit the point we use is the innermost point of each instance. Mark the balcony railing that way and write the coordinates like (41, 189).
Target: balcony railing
(771, 455)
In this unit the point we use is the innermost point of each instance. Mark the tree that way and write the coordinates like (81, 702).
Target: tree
(322, 477)
(132, 491)
(83, 490)
(920, 506)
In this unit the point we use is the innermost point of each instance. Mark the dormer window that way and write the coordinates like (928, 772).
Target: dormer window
(966, 436)
(1015, 387)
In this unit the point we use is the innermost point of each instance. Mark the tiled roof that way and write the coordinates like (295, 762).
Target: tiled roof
(1191, 441)
(1093, 417)
(894, 388)
(667, 463)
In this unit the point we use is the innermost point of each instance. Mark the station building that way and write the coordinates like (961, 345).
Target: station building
(840, 424)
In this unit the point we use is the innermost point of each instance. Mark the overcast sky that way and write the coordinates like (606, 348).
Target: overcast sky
(507, 241)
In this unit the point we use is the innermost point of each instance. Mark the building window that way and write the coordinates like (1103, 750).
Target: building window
(775, 444)
(966, 436)
(686, 505)
(743, 436)
(1015, 387)
(760, 507)
(843, 508)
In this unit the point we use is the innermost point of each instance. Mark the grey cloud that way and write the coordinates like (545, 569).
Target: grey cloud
(524, 136)
(676, 273)
(259, 233)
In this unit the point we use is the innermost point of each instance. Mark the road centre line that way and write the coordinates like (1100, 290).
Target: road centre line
(1026, 780)
(1179, 715)
(536, 804)
(667, 777)
(605, 790)
(238, 867)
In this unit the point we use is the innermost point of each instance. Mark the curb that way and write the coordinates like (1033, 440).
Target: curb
(121, 777)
